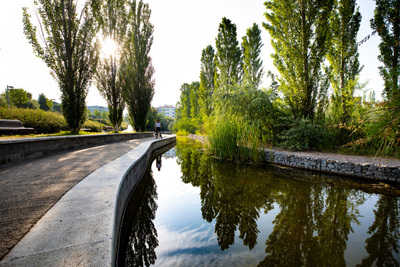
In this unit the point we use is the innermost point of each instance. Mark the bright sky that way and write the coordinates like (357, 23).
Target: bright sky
(183, 28)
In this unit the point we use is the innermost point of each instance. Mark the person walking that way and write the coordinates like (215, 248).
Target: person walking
(158, 128)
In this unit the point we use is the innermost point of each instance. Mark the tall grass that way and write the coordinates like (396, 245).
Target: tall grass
(236, 139)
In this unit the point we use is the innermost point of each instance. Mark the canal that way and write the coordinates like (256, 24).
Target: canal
(198, 211)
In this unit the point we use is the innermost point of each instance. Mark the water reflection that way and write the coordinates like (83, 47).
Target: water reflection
(282, 218)
(143, 236)
(384, 234)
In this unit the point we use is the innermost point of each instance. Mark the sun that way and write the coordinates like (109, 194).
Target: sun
(109, 47)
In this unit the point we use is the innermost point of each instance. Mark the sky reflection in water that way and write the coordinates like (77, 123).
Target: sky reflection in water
(213, 213)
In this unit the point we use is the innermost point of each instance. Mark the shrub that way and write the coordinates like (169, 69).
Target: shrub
(42, 121)
(182, 133)
(303, 135)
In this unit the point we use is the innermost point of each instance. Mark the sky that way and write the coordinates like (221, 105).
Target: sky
(182, 29)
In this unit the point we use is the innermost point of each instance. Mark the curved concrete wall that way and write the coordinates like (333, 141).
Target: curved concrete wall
(14, 150)
(128, 183)
(83, 227)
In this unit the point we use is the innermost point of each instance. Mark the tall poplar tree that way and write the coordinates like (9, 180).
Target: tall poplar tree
(299, 29)
(207, 74)
(194, 105)
(386, 22)
(137, 67)
(228, 55)
(68, 49)
(109, 81)
(252, 63)
(343, 55)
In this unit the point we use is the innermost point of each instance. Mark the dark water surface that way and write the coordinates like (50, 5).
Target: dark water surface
(197, 211)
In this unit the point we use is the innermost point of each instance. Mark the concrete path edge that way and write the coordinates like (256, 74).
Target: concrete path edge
(82, 228)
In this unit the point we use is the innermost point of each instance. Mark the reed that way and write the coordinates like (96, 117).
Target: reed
(236, 139)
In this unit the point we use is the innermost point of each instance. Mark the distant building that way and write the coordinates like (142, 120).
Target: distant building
(168, 110)
(99, 108)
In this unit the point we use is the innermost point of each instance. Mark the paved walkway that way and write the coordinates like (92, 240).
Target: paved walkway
(29, 189)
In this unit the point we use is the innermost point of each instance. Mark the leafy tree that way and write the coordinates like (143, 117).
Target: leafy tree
(96, 113)
(18, 96)
(343, 54)
(49, 103)
(299, 30)
(151, 118)
(187, 113)
(228, 55)
(252, 63)
(194, 105)
(69, 50)
(184, 101)
(386, 22)
(206, 89)
(43, 102)
(109, 80)
(137, 67)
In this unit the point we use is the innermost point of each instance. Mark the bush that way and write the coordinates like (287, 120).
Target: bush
(42, 121)
(92, 125)
(303, 135)
(182, 133)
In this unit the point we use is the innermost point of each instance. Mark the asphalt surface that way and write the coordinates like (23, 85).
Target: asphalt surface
(29, 189)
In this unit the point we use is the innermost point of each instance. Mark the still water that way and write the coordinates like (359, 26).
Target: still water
(196, 211)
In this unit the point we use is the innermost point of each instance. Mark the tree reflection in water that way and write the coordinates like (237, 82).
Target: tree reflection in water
(315, 217)
(143, 237)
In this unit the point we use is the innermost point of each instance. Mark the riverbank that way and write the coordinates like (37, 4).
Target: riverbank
(372, 168)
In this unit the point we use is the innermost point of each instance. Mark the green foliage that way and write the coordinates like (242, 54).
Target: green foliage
(377, 131)
(188, 116)
(69, 50)
(252, 63)
(182, 133)
(18, 97)
(42, 121)
(343, 57)
(206, 89)
(43, 102)
(151, 118)
(300, 49)
(386, 22)
(303, 135)
(108, 78)
(228, 56)
(137, 66)
(236, 139)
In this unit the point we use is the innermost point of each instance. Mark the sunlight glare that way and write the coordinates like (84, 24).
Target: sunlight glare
(109, 47)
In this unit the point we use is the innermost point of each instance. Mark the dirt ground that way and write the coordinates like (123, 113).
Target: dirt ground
(29, 189)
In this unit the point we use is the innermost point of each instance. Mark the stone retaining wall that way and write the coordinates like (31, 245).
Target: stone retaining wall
(335, 166)
(200, 138)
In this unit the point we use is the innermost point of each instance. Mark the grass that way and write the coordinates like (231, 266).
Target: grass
(235, 139)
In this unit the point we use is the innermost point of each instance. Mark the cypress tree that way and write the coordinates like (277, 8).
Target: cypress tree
(252, 63)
